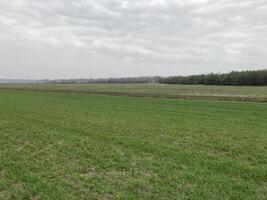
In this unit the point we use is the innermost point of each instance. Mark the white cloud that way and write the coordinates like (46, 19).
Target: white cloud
(148, 37)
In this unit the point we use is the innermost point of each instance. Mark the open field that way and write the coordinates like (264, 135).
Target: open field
(76, 146)
(154, 90)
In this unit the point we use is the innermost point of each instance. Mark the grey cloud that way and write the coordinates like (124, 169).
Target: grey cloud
(153, 37)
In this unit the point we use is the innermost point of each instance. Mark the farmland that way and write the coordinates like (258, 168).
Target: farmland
(243, 93)
(80, 146)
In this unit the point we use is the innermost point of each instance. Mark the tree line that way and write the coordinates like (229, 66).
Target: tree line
(249, 78)
(253, 78)
(129, 80)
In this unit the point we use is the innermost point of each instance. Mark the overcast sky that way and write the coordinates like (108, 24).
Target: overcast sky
(117, 38)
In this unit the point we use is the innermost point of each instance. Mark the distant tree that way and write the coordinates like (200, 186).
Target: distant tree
(258, 77)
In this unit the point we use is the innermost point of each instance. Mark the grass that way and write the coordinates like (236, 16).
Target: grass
(249, 93)
(75, 146)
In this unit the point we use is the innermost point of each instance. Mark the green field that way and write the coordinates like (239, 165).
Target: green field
(244, 93)
(77, 146)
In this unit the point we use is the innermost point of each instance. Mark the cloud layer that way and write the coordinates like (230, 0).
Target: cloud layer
(102, 38)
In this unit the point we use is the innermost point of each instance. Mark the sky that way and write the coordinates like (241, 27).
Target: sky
(120, 38)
